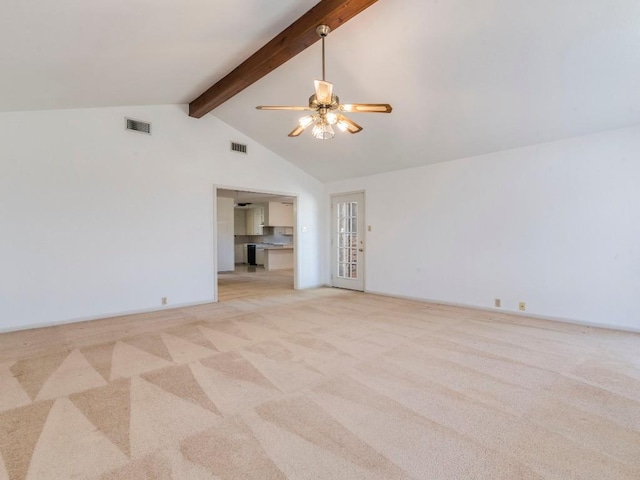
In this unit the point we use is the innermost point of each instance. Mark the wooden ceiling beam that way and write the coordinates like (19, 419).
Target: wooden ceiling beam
(284, 46)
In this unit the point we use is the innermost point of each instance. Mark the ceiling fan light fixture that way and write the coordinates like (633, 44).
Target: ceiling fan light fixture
(323, 131)
(342, 125)
(307, 120)
(327, 107)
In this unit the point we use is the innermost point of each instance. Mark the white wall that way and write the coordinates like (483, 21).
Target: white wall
(225, 224)
(95, 220)
(554, 225)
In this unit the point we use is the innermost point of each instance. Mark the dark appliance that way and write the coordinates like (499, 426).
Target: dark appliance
(251, 254)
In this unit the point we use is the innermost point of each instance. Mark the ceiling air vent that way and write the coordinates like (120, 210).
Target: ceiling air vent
(238, 147)
(137, 126)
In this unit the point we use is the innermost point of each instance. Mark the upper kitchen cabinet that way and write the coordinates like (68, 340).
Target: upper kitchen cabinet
(279, 214)
(254, 220)
(239, 222)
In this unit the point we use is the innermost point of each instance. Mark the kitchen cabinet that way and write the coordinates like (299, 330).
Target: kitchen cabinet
(260, 255)
(278, 258)
(254, 220)
(240, 254)
(239, 221)
(278, 214)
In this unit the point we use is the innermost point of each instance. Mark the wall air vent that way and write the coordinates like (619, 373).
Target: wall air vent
(137, 126)
(238, 147)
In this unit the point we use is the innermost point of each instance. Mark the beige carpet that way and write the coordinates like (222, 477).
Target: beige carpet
(322, 384)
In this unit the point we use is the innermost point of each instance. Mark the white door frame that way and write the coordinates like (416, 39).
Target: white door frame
(296, 236)
(362, 247)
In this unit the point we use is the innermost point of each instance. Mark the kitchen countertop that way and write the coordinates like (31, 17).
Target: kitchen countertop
(278, 247)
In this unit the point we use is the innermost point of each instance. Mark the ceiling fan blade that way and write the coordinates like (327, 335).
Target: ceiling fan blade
(346, 124)
(324, 91)
(297, 131)
(366, 107)
(282, 107)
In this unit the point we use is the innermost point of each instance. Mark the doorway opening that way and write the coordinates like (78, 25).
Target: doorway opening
(255, 243)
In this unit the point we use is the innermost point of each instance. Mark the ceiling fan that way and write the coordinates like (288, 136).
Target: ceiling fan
(327, 107)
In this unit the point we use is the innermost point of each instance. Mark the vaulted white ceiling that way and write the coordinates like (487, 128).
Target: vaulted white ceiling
(74, 53)
(464, 77)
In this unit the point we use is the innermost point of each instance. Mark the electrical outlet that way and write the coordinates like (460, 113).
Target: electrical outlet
(522, 306)
(497, 303)
(164, 300)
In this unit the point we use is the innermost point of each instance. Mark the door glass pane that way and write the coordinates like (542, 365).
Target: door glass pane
(347, 241)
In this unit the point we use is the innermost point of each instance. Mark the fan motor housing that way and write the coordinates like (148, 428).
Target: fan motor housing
(313, 102)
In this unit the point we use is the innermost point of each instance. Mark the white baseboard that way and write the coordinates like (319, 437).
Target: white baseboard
(622, 328)
(105, 315)
(317, 285)
(372, 292)
(119, 314)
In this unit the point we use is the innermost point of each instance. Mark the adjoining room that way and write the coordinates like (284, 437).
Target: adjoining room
(255, 243)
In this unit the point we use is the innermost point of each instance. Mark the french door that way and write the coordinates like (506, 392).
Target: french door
(347, 241)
